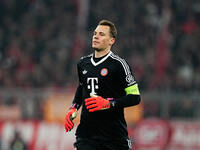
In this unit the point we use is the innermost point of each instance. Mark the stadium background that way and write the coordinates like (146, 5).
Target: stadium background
(41, 41)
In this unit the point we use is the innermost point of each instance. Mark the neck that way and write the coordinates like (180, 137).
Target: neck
(98, 54)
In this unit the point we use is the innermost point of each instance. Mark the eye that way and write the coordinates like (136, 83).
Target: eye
(102, 34)
(94, 33)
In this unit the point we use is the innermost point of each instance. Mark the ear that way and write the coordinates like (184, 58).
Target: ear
(112, 41)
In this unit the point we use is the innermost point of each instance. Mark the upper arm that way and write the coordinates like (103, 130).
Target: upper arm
(79, 73)
(127, 79)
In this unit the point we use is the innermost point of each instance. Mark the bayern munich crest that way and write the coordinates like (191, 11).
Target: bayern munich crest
(104, 71)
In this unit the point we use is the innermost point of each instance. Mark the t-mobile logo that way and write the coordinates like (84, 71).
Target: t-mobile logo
(92, 84)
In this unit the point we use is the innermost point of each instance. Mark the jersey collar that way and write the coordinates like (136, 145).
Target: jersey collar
(100, 61)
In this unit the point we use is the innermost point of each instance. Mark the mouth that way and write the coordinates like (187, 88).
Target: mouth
(95, 42)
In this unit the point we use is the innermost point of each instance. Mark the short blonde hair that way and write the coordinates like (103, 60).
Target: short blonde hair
(113, 30)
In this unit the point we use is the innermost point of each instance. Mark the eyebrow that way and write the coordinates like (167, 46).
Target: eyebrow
(99, 32)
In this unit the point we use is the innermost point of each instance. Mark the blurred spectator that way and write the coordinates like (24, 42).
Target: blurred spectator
(17, 143)
(183, 109)
(152, 109)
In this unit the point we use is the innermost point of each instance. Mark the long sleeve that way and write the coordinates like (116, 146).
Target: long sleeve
(77, 98)
(77, 101)
(130, 86)
(127, 101)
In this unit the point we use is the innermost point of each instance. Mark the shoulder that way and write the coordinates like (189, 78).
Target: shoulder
(117, 57)
(121, 63)
(84, 59)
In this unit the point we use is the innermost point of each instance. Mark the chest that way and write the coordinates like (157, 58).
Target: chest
(102, 79)
(99, 74)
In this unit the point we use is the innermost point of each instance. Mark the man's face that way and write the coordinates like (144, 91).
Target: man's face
(101, 38)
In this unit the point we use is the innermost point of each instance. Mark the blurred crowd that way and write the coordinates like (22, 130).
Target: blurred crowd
(38, 38)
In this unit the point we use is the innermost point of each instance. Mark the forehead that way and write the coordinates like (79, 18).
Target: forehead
(102, 28)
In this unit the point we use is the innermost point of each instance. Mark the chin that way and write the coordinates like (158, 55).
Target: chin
(96, 49)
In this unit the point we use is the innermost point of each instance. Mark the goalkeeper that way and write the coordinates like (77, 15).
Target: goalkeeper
(106, 87)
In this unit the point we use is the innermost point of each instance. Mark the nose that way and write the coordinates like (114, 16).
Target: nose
(96, 36)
